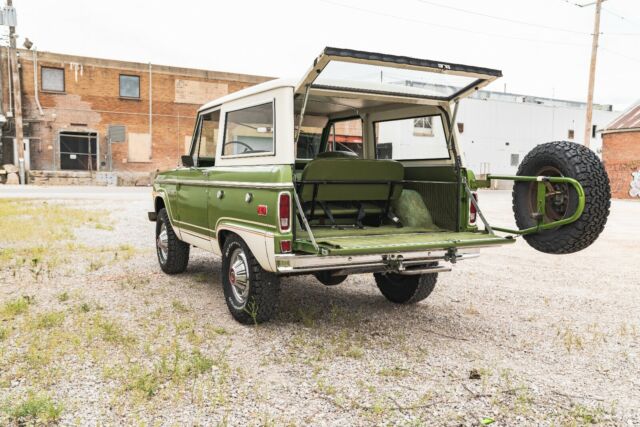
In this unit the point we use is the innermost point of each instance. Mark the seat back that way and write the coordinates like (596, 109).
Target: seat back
(344, 179)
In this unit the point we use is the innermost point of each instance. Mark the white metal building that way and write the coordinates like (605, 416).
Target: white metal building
(496, 130)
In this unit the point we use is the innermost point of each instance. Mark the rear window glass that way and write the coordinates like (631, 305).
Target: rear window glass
(249, 131)
(417, 138)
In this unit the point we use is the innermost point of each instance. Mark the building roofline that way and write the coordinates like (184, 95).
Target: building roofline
(621, 117)
(54, 57)
(624, 130)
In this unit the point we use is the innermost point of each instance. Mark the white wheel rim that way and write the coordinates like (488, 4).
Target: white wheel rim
(239, 276)
(162, 243)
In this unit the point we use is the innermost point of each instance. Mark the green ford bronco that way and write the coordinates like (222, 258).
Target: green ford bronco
(353, 169)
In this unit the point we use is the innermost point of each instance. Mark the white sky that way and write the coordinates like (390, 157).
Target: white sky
(280, 38)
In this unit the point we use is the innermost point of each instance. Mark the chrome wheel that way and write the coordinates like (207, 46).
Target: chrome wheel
(239, 276)
(162, 243)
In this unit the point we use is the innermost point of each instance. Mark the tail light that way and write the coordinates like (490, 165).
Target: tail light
(284, 211)
(285, 246)
(473, 212)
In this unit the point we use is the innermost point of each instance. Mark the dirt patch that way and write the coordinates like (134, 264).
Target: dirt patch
(100, 335)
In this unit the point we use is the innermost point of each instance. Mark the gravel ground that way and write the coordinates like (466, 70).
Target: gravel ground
(516, 337)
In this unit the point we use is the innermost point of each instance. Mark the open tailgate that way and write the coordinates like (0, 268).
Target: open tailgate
(399, 242)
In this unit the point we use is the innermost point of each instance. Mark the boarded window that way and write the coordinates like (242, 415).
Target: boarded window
(139, 148)
(129, 86)
(53, 79)
(515, 159)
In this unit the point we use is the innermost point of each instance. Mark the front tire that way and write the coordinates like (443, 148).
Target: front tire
(250, 291)
(173, 254)
(402, 289)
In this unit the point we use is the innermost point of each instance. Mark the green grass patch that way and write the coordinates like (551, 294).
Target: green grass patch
(35, 410)
(48, 320)
(31, 221)
(15, 307)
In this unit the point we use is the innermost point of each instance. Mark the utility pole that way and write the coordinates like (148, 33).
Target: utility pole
(592, 73)
(17, 101)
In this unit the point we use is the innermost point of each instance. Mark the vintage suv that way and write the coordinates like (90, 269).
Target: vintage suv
(356, 169)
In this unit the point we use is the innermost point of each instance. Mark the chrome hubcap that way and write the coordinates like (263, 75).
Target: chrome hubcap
(239, 275)
(162, 243)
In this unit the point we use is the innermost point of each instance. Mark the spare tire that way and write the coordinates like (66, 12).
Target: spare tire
(563, 158)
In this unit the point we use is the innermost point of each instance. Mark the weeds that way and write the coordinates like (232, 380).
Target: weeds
(48, 320)
(63, 297)
(36, 410)
(179, 307)
(251, 308)
(16, 307)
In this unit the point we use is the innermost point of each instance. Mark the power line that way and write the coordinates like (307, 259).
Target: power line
(501, 18)
(449, 27)
(621, 17)
(622, 55)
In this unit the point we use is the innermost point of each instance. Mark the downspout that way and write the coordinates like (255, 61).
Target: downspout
(10, 81)
(35, 80)
(150, 113)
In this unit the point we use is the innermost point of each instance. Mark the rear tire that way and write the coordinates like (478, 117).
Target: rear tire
(563, 158)
(173, 254)
(251, 292)
(406, 289)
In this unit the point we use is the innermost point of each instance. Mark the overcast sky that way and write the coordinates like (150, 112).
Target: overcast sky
(542, 46)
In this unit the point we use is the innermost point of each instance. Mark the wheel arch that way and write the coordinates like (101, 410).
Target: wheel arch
(259, 242)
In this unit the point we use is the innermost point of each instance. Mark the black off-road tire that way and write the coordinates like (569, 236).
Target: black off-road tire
(574, 161)
(327, 279)
(177, 257)
(261, 302)
(406, 289)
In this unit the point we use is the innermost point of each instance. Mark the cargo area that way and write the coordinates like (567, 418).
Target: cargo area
(355, 206)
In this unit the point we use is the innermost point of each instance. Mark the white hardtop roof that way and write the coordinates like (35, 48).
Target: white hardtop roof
(375, 74)
(252, 90)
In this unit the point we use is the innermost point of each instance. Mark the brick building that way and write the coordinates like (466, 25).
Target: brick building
(621, 153)
(89, 116)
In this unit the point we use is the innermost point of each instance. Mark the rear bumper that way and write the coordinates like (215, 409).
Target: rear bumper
(403, 263)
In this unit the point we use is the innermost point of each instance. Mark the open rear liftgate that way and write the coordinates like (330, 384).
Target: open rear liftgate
(401, 251)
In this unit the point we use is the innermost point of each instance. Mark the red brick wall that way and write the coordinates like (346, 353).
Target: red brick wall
(91, 102)
(621, 156)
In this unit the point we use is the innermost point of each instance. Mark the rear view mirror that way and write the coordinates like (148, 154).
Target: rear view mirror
(187, 161)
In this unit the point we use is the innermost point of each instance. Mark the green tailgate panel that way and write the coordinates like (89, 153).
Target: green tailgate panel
(349, 243)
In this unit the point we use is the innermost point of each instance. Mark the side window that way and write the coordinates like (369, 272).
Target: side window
(208, 138)
(418, 138)
(249, 131)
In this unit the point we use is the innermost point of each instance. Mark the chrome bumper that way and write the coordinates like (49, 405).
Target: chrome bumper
(402, 263)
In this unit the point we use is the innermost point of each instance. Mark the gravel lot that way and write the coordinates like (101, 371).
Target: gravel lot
(515, 337)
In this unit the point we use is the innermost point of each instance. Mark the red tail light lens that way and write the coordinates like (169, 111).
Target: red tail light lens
(284, 211)
(473, 212)
(285, 246)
